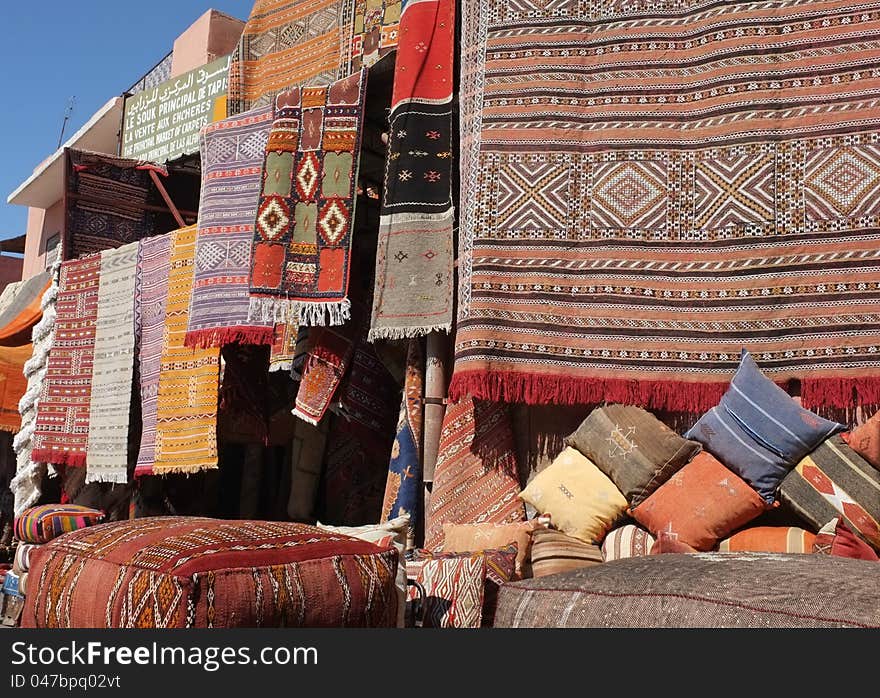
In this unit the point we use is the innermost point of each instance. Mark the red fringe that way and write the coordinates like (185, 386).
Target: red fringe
(208, 339)
(673, 396)
(50, 455)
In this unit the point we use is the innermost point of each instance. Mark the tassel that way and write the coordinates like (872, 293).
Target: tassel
(221, 336)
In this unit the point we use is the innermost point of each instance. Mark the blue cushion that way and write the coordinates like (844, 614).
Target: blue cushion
(758, 431)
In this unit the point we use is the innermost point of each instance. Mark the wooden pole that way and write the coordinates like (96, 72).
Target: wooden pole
(435, 409)
(167, 198)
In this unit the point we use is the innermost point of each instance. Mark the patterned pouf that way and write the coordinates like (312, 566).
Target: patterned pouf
(702, 590)
(176, 572)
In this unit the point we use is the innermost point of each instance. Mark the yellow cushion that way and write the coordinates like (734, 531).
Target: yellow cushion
(580, 499)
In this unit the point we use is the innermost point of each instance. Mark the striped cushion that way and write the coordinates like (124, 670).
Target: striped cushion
(554, 552)
(626, 541)
(758, 431)
(769, 539)
(42, 523)
(836, 481)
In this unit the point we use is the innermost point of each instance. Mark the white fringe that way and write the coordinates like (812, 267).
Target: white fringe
(311, 314)
(116, 478)
(280, 366)
(296, 413)
(379, 333)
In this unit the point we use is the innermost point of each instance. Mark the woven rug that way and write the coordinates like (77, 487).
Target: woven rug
(414, 277)
(475, 479)
(302, 244)
(151, 295)
(113, 367)
(105, 196)
(403, 488)
(232, 153)
(62, 428)
(284, 347)
(13, 384)
(27, 485)
(663, 188)
(325, 364)
(186, 404)
(314, 42)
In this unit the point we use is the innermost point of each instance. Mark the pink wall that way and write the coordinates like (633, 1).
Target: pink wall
(40, 227)
(211, 36)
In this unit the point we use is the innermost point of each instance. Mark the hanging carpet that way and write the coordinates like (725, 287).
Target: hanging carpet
(651, 187)
(23, 310)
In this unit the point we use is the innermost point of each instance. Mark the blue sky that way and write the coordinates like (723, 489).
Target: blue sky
(91, 49)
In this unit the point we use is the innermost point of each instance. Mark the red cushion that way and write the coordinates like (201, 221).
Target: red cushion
(198, 572)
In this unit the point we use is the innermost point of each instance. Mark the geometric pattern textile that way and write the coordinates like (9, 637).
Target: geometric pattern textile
(834, 481)
(184, 572)
(232, 153)
(106, 196)
(414, 260)
(151, 295)
(113, 367)
(655, 193)
(186, 402)
(302, 241)
(454, 591)
(475, 479)
(299, 44)
(62, 429)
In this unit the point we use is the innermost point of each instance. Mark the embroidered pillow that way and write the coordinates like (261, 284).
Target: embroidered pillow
(626, 541)
(553, 552)
(580, 499)
(397, 528)
(500, 569)
(834, 538)
(834, 481)
(769, 539)
(865, 440)
(633, 448)
(462, 538)
(702, 503)
(758, 431)
(42, 523)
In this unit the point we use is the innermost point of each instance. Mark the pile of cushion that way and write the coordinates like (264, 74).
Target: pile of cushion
(32, 530)
(628, 485)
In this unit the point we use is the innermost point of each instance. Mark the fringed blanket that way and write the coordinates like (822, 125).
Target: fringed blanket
(415, 252)
(151, 296)
(403, 489)
(302, 244)
(62, 430)
(307, 42)
(23, 310)
(27, 484)
(113, 367)
(648, 189)
(232, 161)
(13, 384)
(284, 342)
(325, 364)
(476, 477)
(186, 406)
(105, 199)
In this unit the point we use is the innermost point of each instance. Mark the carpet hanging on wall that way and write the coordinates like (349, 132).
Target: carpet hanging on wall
(302, 244)
(113, 367)
(414, 278)
(232, 154)
(186, 402)
(296, 44)
(650, 190)
(62, 425)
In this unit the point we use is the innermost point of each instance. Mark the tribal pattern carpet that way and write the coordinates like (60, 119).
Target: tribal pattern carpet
(62, 425)
(307, 42)
(414, 262)
(232, 153)
(105, 199)
(652, 187)
(302, 243)
(151, 296)
(187, 399)
(113, 368)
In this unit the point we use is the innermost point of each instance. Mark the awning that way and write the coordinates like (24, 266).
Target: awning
(23, 311)
(13, 384)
